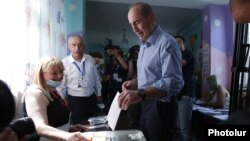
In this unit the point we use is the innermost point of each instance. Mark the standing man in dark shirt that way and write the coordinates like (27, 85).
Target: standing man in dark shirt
(186, 96)
(118, 72)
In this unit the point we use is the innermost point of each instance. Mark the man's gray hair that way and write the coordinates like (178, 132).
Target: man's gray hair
(146, 9)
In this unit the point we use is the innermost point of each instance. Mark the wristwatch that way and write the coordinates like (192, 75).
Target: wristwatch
(141, 93)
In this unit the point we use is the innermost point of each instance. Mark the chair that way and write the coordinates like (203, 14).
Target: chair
(19, 105)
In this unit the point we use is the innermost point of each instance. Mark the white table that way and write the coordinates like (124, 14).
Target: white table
(118, 135)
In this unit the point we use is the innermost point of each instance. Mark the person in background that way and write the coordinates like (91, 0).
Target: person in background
(46, 107)
(7, 110)
(81, 84)
(218, 97)
(9, 135)
(133, 111)
(132, 61)
(159, 76)
(7, 105)
(116, 75)
(99, 63)
(240, 10)
(118, 72)
(187, 94)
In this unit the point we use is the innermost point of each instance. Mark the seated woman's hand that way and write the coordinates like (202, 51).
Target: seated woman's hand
(206, 104)
(78, 127)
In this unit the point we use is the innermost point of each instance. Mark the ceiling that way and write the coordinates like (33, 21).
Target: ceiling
(193, 4)
(108, 18)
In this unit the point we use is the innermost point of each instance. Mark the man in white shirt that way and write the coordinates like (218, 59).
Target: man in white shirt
(81, 84)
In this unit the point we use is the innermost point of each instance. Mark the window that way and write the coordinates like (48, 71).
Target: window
(29, 29)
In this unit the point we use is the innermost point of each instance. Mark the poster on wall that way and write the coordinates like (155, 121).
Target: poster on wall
(206, 59)
(205, 65)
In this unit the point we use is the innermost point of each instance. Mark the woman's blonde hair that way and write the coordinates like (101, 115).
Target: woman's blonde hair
(45, 64)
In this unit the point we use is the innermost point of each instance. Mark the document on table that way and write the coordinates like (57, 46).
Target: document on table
(205, 109)
(221, 117)
(210, 111)
(199, 102)
(114, 112)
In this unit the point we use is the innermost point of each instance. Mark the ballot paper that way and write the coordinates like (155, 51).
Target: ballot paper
(107, 122)
(114, 112)
(118, 135)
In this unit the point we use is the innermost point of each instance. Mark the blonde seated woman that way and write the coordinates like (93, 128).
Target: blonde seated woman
(218, 98)
(46, 107)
